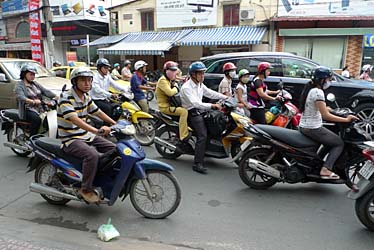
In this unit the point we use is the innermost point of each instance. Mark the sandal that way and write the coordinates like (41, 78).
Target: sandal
(331, 176)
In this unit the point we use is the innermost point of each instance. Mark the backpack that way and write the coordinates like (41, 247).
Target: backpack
(215, 122)
(175, 100)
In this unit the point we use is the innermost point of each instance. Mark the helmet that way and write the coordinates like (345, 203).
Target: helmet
(171, 65)
(322, 72)
(366, 67)
(228, 66)
(127, 62)
(116, 65)
(294, 66)
(262, 66)
(140, 64)
(243, 72)
(101, 62)
(196, 66)
(56, 64)
(80, 71)
(27, 68)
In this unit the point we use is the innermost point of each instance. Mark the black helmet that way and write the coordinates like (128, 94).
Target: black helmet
(322, 72)
(101, 62)
(27, 68)
(80, 71)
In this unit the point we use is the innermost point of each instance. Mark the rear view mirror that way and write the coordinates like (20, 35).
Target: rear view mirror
(280, 85)
(331, 97)
(2, 77)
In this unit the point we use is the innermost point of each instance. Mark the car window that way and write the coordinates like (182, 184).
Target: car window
(14, 68)
(275, 63)
(297, 68)
(217, 67)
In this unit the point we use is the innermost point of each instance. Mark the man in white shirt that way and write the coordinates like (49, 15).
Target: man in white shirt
(101, 83)
(192, 93)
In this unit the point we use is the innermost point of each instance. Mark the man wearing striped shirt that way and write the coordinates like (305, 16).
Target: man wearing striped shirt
(77, 135)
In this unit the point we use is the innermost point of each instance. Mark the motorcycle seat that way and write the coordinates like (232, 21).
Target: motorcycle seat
(12, 114)
(169, 117)
(289, 136)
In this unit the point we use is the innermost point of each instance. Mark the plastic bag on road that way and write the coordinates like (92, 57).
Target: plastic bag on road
(106, 232)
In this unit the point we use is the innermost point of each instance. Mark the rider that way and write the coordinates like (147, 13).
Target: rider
(259, 92)
(313, 108)
(115, 72)
(126, 71)
(57, 64)
(138, 84)
(241, 91)
(366, 72)
(100, 87)
(229, 69)
(78, 136)
(192, 93)
(166, 88)
(29, 96)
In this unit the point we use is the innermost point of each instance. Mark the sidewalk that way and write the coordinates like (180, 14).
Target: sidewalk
(24, 235)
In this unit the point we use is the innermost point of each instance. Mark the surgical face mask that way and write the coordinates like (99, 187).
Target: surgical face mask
(171, 74)
(232, 74)
(245, 80)
(327, 84)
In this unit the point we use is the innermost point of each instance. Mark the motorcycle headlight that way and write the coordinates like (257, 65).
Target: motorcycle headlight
(244, 122)
(128, 130)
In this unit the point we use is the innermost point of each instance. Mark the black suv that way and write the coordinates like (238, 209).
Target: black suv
(295, 72)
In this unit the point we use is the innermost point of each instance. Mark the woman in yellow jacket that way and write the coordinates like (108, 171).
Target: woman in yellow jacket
(165, 89)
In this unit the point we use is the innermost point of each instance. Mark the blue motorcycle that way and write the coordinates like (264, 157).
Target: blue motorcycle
(154, 191)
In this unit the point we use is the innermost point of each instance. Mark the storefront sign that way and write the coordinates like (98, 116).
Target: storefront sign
(307, 8)
(369, 41)
(72, 10)
(78, 42)
(71, 56)
(186, 13)
(12, 7)
(35, 31)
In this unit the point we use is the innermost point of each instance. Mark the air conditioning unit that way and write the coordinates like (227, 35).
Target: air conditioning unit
(247, 14)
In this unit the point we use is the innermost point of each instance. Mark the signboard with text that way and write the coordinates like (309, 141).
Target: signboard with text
(12, 7)
(186, 13)
(35, 31)
(369, 41)
(325, 8)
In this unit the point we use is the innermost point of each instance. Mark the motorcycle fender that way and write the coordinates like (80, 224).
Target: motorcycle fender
(364, 186)
(139, 115)
(33, 163)
(129, 106)
(148, 164)
(364, 95)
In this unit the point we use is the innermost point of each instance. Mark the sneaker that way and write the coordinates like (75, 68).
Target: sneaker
(89, 196)
(198, 167)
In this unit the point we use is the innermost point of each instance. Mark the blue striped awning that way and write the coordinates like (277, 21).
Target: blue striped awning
(108, 40)
(145, 43)
(237, 35)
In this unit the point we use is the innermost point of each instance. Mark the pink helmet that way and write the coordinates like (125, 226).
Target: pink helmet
(262, 66)
(228, 66)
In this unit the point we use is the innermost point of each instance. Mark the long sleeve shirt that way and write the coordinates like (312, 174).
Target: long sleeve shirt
(192, 95)
(101, 85)
(163, 91)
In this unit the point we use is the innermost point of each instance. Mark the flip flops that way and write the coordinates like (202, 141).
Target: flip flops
(331, 176)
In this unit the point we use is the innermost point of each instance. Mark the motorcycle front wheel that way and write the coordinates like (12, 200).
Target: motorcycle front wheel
(365, 210)
(251, 177)
(166, 195)
(19, 139)
(145, 132)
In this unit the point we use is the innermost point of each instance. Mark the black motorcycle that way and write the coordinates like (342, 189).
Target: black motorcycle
(282, 155)
(365, 195)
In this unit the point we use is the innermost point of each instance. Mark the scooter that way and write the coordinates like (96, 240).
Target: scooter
(225, 133)
(153, 189)
(364, 196)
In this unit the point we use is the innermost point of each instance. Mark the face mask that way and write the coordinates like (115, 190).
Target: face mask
(232, 74)
(171, 74)
(327, 84)
(245, 80)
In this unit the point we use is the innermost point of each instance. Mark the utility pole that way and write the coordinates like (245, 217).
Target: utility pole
(46, 10)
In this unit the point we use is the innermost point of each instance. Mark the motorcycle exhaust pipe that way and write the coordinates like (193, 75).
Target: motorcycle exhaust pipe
(43, 189)
(264, 168)
(16, 146)
(164, 143)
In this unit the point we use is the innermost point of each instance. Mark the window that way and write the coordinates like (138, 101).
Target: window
(23, 30)
(217, 67)
(114, 23)
(275, 63)
(147, 21)
(297, 68)
(326, 51)
(231, 15)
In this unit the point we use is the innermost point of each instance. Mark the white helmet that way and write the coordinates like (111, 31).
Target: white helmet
(366, 67)
(140, 64)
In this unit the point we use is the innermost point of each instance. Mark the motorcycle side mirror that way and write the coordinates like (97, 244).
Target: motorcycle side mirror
(280, 85)
(331, 97)
(63, 90)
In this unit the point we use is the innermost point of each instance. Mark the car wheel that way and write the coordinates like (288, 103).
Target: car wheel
(365, 112)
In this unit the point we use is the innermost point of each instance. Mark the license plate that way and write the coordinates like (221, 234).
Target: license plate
(367, 170)
(245, 145)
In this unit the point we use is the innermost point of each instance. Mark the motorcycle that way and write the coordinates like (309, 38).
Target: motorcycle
(364, 196)
(153, 189)
(17, 130)
(225, 133)
(284, 155)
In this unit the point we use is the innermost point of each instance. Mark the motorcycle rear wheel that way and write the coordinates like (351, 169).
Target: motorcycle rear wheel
(365, 210)
(251, 177)
(44, 174)
(162, 205)
(145, 132)
(20, 140)
(171, 135)
(150, 95)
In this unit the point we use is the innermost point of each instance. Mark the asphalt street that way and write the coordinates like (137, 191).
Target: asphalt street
(217, 212)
